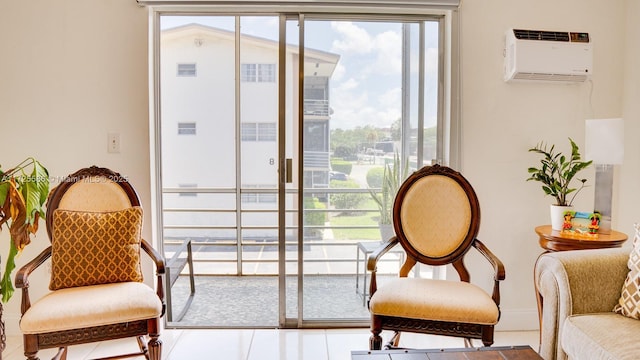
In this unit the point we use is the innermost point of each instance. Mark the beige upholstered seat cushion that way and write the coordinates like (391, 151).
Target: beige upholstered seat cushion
(601, 336)
(89, 306)
(439, 300)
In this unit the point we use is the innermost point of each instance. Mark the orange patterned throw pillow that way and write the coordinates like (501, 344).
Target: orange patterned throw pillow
(629, 303)
(90, 248)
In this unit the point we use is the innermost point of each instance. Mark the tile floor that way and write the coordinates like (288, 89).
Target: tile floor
(265, 344)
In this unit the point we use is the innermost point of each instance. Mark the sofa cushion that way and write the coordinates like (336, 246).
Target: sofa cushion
(629, 303)
(90, 248)
(601, 336)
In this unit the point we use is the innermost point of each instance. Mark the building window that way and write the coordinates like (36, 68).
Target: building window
(258, 132)
(266, 72)
(188, 186)
(248, 72)
(258, 197)
(186, 128)
(266, 132)
(188, 69)
(258, 72)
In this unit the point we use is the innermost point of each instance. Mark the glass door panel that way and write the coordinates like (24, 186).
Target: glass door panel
(363, 112)
(219, 140)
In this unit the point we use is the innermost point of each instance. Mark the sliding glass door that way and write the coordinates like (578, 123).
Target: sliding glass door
(274, 135)
(364, 110)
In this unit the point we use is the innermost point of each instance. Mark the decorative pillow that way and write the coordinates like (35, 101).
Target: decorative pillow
(629, 303)
(90, 248)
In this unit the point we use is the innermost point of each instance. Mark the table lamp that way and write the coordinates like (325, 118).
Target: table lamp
(604, 140)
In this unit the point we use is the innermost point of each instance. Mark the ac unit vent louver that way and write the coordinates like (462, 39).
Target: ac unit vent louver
(541, 35)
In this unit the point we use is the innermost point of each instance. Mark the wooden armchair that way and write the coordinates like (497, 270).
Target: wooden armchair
(436, 218)
(94, 223)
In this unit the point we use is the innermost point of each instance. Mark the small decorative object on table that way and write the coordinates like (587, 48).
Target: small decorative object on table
(22, 198)
(579, 223)
(556, 173)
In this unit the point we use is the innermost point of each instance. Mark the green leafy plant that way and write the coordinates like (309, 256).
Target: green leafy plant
(556, 172)
(313, 218)
(22, 197)
(341, 166)
(346, 200)
(374, 177)
(392, 179)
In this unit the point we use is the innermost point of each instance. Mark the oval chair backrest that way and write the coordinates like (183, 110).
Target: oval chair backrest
(91, 189)
(436, 215)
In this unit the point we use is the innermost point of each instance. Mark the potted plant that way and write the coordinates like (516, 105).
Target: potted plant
(392, 179)
(556, 173)
(23, 192)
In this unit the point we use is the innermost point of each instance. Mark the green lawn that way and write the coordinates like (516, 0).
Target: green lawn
(357, 219)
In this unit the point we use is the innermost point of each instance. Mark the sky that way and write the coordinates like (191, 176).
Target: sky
(366, 86)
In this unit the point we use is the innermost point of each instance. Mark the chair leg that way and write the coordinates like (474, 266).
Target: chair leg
(394, 342)
(375, 341)
(487, 336)
(31, 347)
(155, 347)
(61, 354)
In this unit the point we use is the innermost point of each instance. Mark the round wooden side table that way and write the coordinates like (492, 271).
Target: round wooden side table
(553, 240)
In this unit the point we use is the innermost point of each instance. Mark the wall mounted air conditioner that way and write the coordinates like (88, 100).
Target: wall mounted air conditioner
(547, 55)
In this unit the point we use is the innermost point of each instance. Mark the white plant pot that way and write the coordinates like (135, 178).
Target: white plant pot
(557, 216)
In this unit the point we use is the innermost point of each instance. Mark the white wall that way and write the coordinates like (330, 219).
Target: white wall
(73, 70)
(501, 121)
(70, 72)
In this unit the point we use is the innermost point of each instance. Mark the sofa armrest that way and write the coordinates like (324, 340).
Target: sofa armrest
(576, 282)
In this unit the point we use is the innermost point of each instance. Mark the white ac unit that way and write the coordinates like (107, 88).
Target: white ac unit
(547, 55)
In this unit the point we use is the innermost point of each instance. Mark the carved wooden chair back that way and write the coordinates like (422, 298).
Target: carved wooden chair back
(436, 218)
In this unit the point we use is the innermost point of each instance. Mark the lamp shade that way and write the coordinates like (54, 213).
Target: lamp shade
(604, 141)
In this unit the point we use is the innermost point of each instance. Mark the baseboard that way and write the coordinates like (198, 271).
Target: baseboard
(518, 320)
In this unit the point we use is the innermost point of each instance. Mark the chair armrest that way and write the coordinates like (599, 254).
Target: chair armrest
(576, 282)
(22, 276)
(155, 256)
(160, 270)
(372, 262)
(498, 268)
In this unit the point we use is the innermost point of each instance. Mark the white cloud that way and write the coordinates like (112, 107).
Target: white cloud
(362, 99)
(354, 40)
(350, 84)
(338, 72)
(391, 98)
(388, 46)
(431, 67)
(353, 106)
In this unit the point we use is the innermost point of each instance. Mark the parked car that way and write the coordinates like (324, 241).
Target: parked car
(337, 175)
